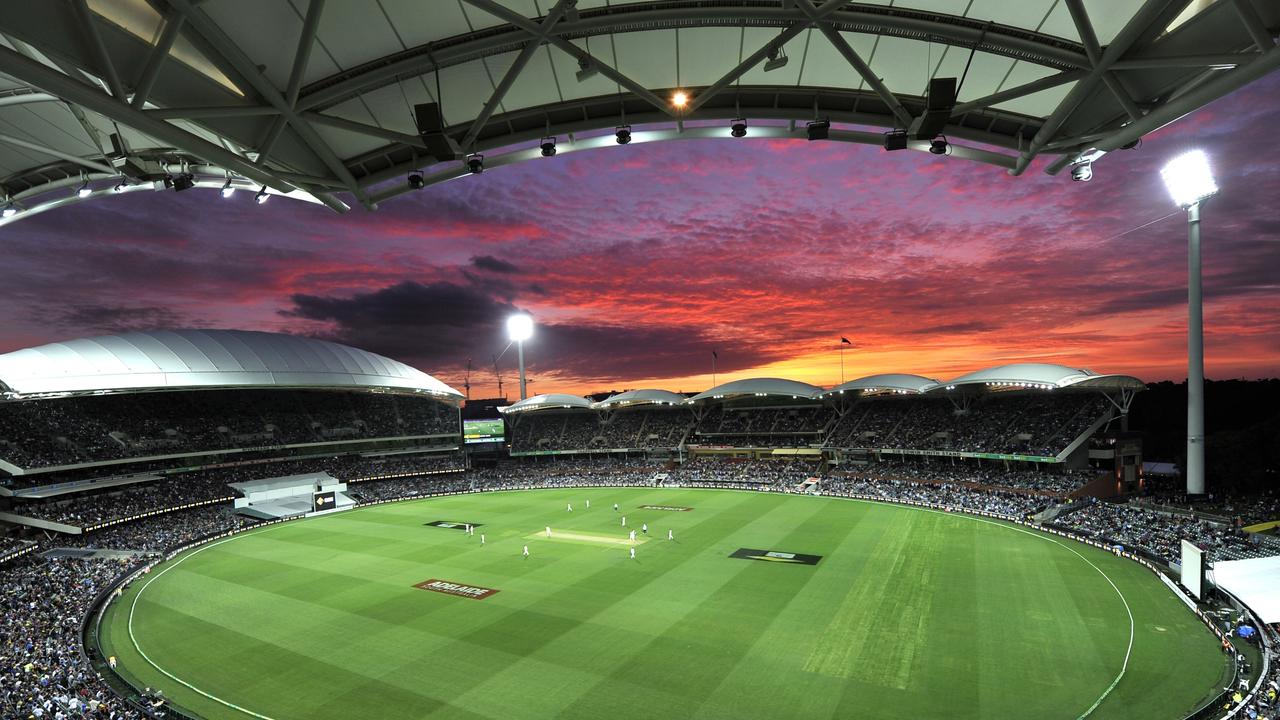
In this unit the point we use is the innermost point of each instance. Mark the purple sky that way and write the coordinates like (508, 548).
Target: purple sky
(638, 261)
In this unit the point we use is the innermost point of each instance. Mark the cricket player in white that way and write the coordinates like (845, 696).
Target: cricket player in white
(481, 538)
(615, 507)
(624, 521)
(633, 553)
(632, 537)
(548, 531)
(526, 551)
(644, 528)
(588, 504)
(670, 535)
(568, 507)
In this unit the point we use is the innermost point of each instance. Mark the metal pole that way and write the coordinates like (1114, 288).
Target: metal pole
(842, 362)
(1195, 357)
(520, 352)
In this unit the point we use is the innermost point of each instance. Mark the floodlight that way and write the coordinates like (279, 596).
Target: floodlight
(777, 59)
(1189, 178)
(262, 197)
(1082, 172)
(227, 189)
(586, 69)
(623, 134)
(895, 140)
(121, 186)
(84, 191)
(818, 129)
(519, 327)
(415, 181)
(185, 181)
(679, 98)
(548, 146)
(475, 163)
(940, 146)
(738, 128)
(9, 211)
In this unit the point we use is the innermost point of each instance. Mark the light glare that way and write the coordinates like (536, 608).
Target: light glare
(1189, 178)
(519, 327)
(680, 99)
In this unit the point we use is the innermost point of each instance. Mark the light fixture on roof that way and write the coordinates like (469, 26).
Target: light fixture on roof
(227, 189)
(895, 140)
(84, 191)
(1082, 172)
(184, 181)
(548, 147)
(738, 128)
(262, 197)
(623, 134)
(121, 186)
(415, 181)
(586, 69)
(9, 210)
(1189, 179)
(679, 99)
(940, 146)
(818, 129)
(777, 59)
(475, 163)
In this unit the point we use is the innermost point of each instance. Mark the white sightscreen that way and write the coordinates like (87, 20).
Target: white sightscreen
(1192, 568)
(1256, 582)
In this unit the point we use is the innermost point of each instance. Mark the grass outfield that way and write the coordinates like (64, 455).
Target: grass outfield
(908, 614)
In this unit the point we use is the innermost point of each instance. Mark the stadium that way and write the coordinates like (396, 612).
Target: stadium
(308, 519)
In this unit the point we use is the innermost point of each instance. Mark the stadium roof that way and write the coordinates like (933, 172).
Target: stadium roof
(317, 99)
(892, 381)
(640, 397)
(1044, 376)
(550, 401)
(175, 359)
(760, 387)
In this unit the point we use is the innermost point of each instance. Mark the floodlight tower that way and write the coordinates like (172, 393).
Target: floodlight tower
(519, 329)
(1190, 182)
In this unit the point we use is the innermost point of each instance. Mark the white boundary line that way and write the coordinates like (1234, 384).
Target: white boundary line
(1123, 669)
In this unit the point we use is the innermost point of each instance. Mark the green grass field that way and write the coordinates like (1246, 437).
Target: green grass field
(908, 614)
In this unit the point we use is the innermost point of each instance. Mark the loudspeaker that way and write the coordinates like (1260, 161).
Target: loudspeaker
(938, 104)
(431, 128)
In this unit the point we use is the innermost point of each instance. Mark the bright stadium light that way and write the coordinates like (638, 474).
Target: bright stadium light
(262, 197)
(1190, 182)
(227, 189)
(679, 99)
(9, 210)
(519, 329)
(84, 191)
(1189, 179)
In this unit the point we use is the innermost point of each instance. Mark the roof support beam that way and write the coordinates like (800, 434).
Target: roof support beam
(513, 72)
(1253, 24)
(755, 58)
(370, 130)
(106, 69)
(155, 61)
(1212, 62)
(1124, 40)
(91, 98)
(862, 68)
(208, 30)
(1023, 90)
(1224, 84)
(1080, 17)
(89, 164)
(209, 113)
(576, 52)
(301, 58)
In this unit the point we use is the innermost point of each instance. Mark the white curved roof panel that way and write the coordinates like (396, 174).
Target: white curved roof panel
(1042, 376)
(889, 381)
(762, 387)
(176, 359)
(550, 401)
(641, 397)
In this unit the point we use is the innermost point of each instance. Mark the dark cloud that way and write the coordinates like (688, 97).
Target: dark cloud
(117, 318)
(956, 328)
(438, 326)
(490, 263)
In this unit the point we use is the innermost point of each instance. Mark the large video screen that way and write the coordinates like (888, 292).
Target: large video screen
(323, 501)
(482, 431)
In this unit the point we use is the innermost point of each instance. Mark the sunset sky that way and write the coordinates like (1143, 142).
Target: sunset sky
(638, 261)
